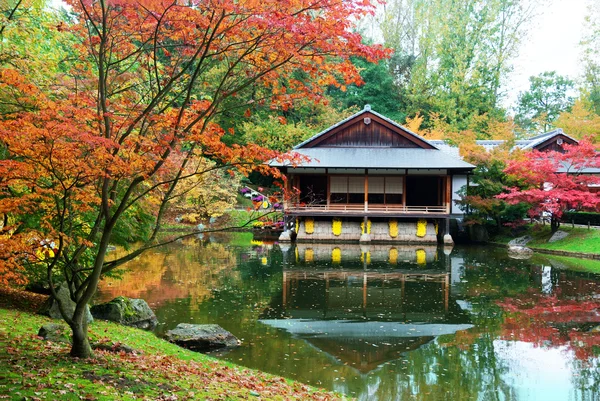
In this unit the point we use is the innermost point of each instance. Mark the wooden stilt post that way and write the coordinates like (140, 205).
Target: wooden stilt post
(367, 191)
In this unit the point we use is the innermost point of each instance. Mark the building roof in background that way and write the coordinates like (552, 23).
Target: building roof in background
(379, 158)
(489, 145)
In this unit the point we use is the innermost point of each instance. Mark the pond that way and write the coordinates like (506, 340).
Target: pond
(382, 322)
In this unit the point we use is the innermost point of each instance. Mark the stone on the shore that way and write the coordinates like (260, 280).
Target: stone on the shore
(519, 252)
(201, 337)
(55, 332)
(557, 236)
(520, 241)
(127, 311)
(50, 307)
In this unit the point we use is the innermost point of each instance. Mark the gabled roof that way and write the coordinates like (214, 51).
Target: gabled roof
(540, 139)
(423, 155)
(366, 110)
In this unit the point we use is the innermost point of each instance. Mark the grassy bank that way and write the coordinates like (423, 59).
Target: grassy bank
(34, 369)
(579, 239)
(575, 264)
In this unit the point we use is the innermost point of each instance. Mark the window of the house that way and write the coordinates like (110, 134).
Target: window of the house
(376, 190)
(356, 189)
(385, 190)
(393, 189)
(338, 188)
(347, 189)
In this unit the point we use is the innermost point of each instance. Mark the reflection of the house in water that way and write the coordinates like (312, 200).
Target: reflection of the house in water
(365, 305)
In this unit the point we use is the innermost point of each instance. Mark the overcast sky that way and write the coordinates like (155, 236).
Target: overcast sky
(552, 44)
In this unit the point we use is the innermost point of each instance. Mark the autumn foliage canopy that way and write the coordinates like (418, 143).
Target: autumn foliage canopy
(136, 108)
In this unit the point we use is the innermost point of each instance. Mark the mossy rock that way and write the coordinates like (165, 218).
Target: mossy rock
(55, 332)
(127, 311)
(50, 307)
(202, 337)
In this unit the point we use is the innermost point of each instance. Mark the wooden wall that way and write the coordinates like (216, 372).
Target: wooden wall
(553, 145)
(372, 135)
(368, 131)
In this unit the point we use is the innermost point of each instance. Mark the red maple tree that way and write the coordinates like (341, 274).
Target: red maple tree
(136, 109)
(554, 182)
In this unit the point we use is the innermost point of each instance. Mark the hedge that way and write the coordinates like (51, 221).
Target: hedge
(581, 218)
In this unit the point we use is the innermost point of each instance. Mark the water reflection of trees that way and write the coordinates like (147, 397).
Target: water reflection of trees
(517, 301)
(188, 270)
(508, 301)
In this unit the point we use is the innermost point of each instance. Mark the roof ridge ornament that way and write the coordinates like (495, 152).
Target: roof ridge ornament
(367, 107)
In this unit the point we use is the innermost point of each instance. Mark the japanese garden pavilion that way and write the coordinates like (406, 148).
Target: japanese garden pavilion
(368, 167)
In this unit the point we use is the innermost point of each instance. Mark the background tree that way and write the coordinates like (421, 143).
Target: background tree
(554, 182)
(34, 44)
(205, 196)
(283, 129)
(138, 106)
(378, 90)
(540, 106)
(581, 121)
(480, 200)
(591, 57)
(451, 57)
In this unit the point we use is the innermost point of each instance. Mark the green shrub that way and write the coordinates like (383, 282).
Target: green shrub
(581, 218)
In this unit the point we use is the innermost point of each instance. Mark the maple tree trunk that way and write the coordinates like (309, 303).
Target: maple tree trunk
(79, 325)
(554, 224)
(81, 344)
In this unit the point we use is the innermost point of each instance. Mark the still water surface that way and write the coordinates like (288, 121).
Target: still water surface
(384, 322)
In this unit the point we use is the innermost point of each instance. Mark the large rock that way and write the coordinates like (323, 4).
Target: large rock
(557, 236)
(127, 311)
(519, 252)
(520, 241)
(50, 307)
(55, 332)
(201, 337)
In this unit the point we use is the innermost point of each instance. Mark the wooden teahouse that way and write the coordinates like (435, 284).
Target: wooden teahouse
(369, 178)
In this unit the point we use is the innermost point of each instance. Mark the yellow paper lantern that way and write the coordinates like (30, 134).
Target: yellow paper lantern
(336, 226)
(421, 228)
(309, 225)
(393, 228)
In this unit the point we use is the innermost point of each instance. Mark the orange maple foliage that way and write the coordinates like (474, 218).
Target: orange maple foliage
(142, 103)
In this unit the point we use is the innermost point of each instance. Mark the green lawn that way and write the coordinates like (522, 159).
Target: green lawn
(33, 369)
(579, 239)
